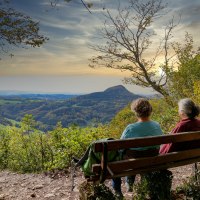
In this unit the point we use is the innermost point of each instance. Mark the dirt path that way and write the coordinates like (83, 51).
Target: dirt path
(15, 186)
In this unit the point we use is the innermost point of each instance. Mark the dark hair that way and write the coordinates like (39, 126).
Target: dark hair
(141, 107)
(188, 107)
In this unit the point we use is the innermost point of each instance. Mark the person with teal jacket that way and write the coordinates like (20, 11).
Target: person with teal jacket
(142, 128)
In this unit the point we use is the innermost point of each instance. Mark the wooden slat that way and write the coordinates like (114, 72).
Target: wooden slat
(148, 141)
(153, 168)
(152, 161)
(132, 164)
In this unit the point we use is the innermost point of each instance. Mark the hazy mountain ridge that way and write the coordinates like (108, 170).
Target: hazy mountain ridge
(38, 96)
(83, 110)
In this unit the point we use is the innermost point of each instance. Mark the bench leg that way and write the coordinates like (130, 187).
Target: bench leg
(104, 162)
(196, 171)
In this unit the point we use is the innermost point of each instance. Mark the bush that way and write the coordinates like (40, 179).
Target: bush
(190, 188)
(27, 149)
(164, 114)
(88, 191)
(4, 148)
(155, 185)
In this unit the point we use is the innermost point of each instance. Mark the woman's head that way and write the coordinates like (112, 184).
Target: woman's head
(141, 107)
(187, 107)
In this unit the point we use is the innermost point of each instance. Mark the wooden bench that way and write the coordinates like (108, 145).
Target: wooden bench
(126, 167)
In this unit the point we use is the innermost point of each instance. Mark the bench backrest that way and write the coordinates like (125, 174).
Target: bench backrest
(152, 163)
(147, 141)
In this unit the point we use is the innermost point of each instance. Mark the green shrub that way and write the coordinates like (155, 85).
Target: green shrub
(190, 188)
(164, 114)
(155, 185)
(4, 148)
(89, 191)
(27, 149)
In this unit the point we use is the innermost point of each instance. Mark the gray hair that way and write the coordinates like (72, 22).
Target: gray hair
(188, 107)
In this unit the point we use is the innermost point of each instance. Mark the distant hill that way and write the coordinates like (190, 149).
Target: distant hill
(83, 110)
(38, 96)
(110, 94)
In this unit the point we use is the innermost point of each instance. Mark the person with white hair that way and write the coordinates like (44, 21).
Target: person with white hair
(188, 112)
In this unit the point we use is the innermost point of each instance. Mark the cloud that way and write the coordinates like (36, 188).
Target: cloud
(71, 28)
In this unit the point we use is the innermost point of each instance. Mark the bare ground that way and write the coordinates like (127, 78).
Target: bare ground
(14, 186)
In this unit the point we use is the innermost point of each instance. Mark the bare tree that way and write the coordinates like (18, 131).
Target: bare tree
(128, 36)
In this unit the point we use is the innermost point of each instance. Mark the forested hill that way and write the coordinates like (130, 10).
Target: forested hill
(83, 110)
(110, 94)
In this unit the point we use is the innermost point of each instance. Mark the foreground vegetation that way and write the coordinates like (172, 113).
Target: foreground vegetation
(24, 148)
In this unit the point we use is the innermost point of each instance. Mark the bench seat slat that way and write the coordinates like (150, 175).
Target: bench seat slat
(134, 164)
(153, 168)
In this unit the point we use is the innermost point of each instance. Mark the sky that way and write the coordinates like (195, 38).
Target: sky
(61, 65)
